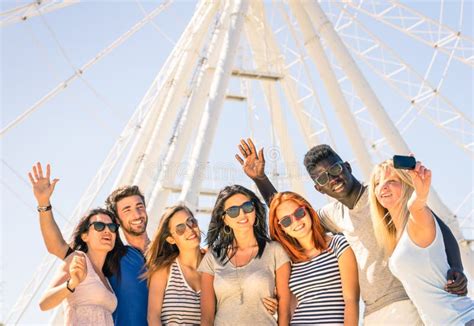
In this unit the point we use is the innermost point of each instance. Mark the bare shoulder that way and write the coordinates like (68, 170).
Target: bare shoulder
(161, 273)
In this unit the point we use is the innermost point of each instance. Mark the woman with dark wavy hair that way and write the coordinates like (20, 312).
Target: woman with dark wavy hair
(93, 255)
(172, 260)
(323, 275)
(81, 281)
(242, 266)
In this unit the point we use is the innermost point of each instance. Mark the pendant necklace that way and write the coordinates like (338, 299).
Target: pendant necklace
(241, 291)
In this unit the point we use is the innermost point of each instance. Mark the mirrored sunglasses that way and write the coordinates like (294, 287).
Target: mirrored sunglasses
(334, 170)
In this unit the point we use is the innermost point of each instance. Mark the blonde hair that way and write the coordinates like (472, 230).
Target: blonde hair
(384, 228)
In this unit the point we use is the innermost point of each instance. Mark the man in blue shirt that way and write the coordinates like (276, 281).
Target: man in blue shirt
(128, 204)
(131, 290)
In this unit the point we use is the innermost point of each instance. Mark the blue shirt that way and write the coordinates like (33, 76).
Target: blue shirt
(131, 290)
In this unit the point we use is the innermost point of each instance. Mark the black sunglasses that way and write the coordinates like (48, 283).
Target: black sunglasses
(191, 222)
(286, 221)
(100, 226)
(333, 170)
(234, 211)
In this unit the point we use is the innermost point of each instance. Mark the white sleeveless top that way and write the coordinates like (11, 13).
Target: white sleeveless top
(422, 272)
(91, 303)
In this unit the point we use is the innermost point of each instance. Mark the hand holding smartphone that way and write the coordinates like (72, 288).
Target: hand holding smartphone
(404, 162)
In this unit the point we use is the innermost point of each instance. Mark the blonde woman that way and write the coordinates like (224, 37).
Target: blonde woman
(407, 229)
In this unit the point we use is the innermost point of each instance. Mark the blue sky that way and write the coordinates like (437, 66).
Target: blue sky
(76, 129)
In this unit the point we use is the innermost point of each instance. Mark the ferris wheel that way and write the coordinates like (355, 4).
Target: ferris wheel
(370, 78)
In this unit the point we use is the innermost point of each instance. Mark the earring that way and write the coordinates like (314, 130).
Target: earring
(226, 227)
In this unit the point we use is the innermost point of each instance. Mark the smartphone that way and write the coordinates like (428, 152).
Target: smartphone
(404, 162)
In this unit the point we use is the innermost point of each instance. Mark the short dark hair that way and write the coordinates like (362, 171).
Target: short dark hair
(317, 154)
(121, 193)
(112, 260)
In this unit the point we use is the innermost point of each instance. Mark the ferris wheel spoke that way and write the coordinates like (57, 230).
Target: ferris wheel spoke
(419, 27)
(23, 13)
(79, 72)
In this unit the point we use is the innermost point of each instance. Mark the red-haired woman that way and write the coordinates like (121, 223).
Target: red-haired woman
(323, 278)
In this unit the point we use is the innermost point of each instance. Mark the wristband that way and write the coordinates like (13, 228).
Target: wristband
(44, 208)
(67, 287)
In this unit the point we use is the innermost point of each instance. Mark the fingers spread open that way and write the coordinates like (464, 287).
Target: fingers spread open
(252, 146)
(48, 171)
(260, 155)
(241, 161)
(31, 178)
(35, 172)
(40, 170)
(242, 151)
(245, 146)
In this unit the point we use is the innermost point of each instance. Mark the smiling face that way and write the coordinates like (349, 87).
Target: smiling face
(244, 221)
(132, 215)
(339, 186)
(388, 189)
(191, 238)
(299, 228)
(99, 240)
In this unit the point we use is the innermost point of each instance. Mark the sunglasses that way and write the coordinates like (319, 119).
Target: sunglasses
(298, 214)
(333, 170)
(234, 211)
(100, 226)
(191, 222)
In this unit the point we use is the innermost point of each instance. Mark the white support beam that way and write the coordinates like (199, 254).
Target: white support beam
(191, 114)
(326, 30)
(256, 75)
(155, 99)
(149, 159)
(257, 22)
(336, 96)
(36, 8)
(287, 147)
(210, 118)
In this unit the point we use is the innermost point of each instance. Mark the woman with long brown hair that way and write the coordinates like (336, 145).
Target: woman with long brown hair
(172, 260)
(323, 276)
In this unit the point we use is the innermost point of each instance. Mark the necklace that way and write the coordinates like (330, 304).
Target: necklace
(361, 189)
(236, 268)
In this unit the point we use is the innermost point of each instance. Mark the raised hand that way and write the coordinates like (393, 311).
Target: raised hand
(253, 162)
(421, 179)
(77, 270)
(42, 187)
